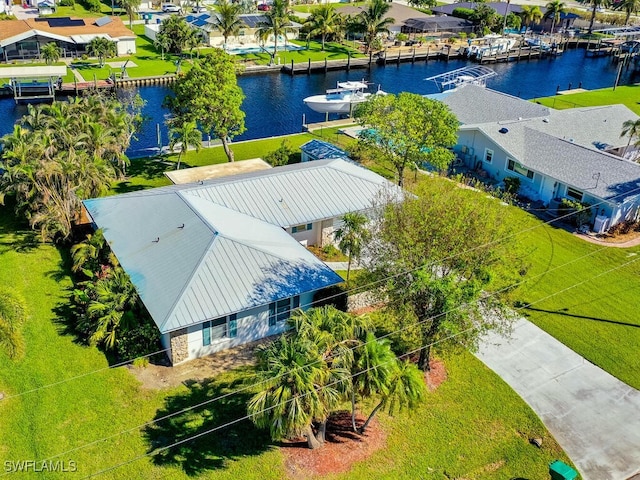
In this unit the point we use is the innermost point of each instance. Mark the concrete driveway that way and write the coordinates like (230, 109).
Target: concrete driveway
(592, 415)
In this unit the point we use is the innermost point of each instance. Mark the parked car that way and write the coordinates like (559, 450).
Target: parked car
(263, 7)
(200, 9)
(170, 8)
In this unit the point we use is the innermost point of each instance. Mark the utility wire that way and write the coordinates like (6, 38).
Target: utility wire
(356, 289)
(248, 387)
(246, 417)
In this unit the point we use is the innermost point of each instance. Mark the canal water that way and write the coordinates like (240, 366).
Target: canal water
(273, 103)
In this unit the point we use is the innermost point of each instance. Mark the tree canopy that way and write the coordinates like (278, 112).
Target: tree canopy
(324, 20)
(372, 21)
(63, 153)
(277, 24)
(209, 95)
(228, 20)
(101, 48)
(438, 255)
(407, 130)
(174, 35)
(554, 9)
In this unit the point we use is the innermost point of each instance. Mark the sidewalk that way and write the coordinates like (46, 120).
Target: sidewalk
(593, 416)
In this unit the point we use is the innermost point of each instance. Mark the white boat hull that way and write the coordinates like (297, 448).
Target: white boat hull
(324, 104)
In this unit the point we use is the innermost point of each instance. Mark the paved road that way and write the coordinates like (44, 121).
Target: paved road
(594, 416)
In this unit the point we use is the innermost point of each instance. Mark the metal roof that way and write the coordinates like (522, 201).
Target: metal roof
(319, 150)
(192, 260)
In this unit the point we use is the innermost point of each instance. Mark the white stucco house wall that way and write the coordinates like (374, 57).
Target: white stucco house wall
(556, 154)
(223, 262)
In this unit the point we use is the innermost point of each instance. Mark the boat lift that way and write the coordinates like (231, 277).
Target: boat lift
(35, 83)
(474, 75)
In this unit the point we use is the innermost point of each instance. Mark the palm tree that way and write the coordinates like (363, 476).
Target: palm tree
(324, 20)
(406, 389)
(632, 129)
(131, 7)
(595, 5)
(86, 254)
(12, 315)
(112, 309)
(228, 20)
(629, 7)
(295, 390)
(186, 134)
(352, 236)
(101, 48)
(373, 21)
(484, 15)
(554, 9)
(51, 53)
(278, 23)
(531, 14)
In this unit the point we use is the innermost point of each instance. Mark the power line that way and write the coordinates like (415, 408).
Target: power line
(355, 289)
(246, 417)
(239, 390)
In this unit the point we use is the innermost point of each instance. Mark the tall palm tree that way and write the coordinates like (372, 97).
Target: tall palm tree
(351, 236)
(51, 53)
(278, 23)
(131, 7)
(373, 21)
(112, 309)
(629, 7)
(12, 315)
(324, 20)
(187, 135)
(632, 129)
(554, 9)
(295, 390)
(228, 20)
(531, 14)
(101, 48)
(595, 5)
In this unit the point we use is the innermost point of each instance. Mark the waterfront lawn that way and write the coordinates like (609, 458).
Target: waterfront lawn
(443, 436)
(627, 95)
(332, 51)
(78, 10)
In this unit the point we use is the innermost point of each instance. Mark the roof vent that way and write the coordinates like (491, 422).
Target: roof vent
(571, 140)
(545, 120)
(504, 130)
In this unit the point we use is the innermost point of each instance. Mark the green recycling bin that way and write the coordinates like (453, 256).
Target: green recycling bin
(561, 471)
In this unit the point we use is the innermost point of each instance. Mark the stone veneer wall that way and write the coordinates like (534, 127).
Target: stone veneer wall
(327, 236)
(179, 346)
(361, 301)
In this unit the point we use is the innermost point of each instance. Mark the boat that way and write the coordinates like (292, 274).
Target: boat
(458, 78)
(340, 99)
(489, 45)
(537, 42)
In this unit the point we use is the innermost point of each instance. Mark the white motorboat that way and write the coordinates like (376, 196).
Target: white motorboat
(341, 99)
(489, 45)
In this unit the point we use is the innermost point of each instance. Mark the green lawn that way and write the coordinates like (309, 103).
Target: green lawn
(474, 426)
(78, 10)
(627, 95)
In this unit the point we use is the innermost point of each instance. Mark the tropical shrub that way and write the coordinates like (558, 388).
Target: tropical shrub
(580, 212)
(280, 156)
(461, 12)
(511, 185)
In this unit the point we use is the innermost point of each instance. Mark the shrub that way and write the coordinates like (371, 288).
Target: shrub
(67, 3)
(582, 211)
(138, 341)
(93, 5)
(465, 13)
(85, 57)
(141, 362)
(334, 295)
(330, 251)
(402, 37)
(279, 156)
(511, 185)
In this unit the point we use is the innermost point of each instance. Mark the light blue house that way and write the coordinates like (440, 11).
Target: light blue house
(576, 153)
(222, 262)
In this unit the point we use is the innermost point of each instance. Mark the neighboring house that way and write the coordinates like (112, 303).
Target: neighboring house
(220, 263)
(566, 19)
(438, 25)
(319, 150)
(23, 39)
(556, 154)
(399, 12)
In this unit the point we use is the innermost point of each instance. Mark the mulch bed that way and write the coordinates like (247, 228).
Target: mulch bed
(343, 447)
(436, 374)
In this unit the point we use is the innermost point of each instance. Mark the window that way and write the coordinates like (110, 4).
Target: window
(223, 327)
(301, 228)
(519, 169)
(281, 310)
(488, 155)
(575, 194)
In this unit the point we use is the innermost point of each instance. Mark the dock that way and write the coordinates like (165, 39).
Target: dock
(326, 65)
(341, 122)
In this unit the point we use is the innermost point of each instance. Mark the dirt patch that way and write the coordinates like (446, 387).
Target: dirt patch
(159, 376)
(342, 449)
(436, 375)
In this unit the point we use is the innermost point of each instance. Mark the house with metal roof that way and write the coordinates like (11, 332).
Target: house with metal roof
(21, 39)
(577, 153)
(221, 262)
(319, 150)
